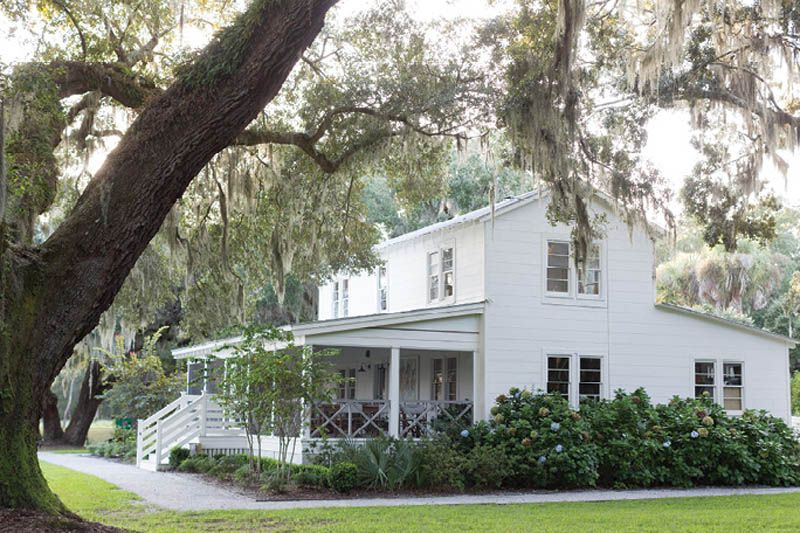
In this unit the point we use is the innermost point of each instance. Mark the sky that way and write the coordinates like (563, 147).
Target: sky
(669, 132)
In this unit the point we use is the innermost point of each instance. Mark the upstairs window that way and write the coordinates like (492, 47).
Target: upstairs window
(589, 272)
(345, 297)
(448, 282)
(441, 274)
(335, 300)
(433, 276)
(558, 267)
(383, 290)
(565, 279)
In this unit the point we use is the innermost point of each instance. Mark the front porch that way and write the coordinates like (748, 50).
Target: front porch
(401, 373)
(372, 400)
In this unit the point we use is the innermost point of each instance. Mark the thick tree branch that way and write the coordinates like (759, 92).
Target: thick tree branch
(110, 79)
(81, 267)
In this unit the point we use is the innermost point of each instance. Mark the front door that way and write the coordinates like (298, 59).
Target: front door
(445, 379)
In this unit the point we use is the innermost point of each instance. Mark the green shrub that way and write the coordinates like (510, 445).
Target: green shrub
(198, 464)
(122, 445)
(486, 467)
(343, 477)
(546, 444)
(441, 464)
(310, 475)
(177, 456)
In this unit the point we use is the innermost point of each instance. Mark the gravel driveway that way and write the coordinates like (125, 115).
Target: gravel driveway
(187, 492)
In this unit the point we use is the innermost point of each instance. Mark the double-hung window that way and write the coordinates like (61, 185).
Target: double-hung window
(441, 274)
(732, 387)
(589, 272)
(577, 378)
(335, 300)
(722, 381)
(704, 379)
(433, 276)
(558, 267)
(383, 290)
(565, 279)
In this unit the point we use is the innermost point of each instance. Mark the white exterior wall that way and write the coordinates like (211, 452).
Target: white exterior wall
(406, 270)
(641, 345)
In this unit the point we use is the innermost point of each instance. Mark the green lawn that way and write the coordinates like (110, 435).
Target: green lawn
(98, 500)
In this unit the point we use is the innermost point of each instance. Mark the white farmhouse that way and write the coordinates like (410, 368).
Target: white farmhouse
(462, 310)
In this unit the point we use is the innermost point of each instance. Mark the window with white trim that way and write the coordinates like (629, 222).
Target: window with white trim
(335, 300)
(441, 274)
(577, 378)
(448, 281)
(732, 387)
(345, 297)
(704, 379)
(558, 375)
(433, 276)
(590, 379)
(589, 272)
(383, 290)
(558, 267)
(722, 381)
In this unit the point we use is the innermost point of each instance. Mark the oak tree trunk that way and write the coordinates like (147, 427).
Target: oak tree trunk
(53, 295)
(86, 409)
(51, 420)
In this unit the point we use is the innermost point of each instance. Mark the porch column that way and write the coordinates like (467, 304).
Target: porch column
(394, 393)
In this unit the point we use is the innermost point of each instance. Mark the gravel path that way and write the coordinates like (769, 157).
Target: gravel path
(187, 492)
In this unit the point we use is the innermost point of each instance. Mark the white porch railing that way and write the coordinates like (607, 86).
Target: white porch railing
(417, 418)
(358, 419)
(176, 425)
(350, 419)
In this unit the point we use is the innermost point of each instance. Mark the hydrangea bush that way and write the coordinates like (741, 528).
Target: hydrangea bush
(547, 443)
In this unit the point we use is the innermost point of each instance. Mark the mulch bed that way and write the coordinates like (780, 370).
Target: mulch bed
(24, 521)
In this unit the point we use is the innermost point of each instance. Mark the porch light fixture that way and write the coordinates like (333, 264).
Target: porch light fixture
(364, 368)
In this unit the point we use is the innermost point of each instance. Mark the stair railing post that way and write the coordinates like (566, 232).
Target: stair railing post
(203, 414)
(139, 442)
(158, 444)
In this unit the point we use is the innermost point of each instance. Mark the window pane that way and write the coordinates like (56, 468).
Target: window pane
(699, 391)
(732, 374)
(447, 259)
(561, 388)
(434, 288)
(558, 261)
(558, 375)
(557, 248)
(557, 286)
(448, 284)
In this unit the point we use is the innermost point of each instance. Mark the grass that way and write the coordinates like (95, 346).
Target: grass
(101, 501)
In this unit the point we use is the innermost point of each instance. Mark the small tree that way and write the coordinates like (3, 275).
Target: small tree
(270, 390)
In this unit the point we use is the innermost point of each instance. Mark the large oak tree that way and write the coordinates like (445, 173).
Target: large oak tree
(53, 294)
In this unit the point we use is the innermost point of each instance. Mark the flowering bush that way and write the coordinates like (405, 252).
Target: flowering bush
(547, 443)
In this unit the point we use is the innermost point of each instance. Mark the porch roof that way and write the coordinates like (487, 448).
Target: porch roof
(452, 327)
(444, 327)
